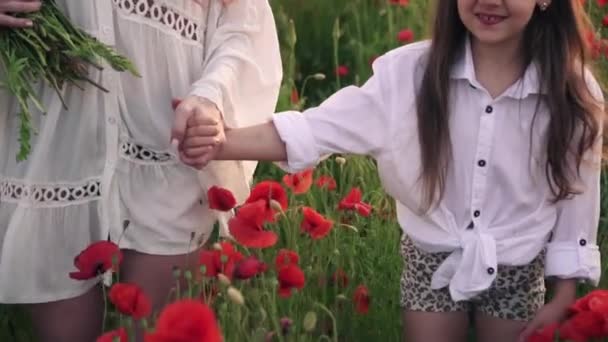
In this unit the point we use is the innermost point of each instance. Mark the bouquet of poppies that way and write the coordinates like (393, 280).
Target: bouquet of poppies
(55, 52)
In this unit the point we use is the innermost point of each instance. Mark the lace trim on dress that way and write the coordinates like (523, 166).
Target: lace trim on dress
(142, 155)
(163, 16)
(49, 194)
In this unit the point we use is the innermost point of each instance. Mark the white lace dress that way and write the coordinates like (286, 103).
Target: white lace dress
(107, 159)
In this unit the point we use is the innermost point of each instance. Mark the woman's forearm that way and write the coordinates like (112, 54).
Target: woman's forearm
(260, 142)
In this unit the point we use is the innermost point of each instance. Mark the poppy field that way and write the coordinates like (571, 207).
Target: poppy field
(314, 255)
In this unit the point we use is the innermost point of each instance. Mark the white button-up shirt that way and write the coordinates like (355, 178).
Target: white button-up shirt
(107, 157)
(497, 205)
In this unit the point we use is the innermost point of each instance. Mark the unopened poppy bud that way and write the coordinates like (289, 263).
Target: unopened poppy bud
(340, 160)
(235, 296)
(223, 279)
(319, 76)
(342, 297)
(276, 206)
(217, 246)
(310, 321)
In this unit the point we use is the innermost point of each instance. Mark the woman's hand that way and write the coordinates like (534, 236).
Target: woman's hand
(10, 7)
(198, 131)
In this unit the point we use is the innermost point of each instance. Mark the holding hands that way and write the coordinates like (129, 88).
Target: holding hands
(10, 7)
(198, 131)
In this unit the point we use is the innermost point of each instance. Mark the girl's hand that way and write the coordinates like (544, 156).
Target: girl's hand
(9, 7)
(198, 131)
(555, 311)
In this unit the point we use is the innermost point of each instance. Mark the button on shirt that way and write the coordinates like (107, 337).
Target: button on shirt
(497, 206)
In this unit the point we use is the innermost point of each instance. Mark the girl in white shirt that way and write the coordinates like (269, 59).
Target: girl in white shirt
(106, 162)
(489, 139)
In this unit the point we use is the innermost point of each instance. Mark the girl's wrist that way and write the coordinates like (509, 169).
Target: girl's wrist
(564, 291)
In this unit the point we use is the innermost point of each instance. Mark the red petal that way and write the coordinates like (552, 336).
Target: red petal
(290, 277)
(352, 198)
(253, 212)
(212, 262)
(363, 209)
(130, 300)
(111, 336)
(300, 182)
(249, 268)
(250, 235)
(97, 258)
(315, 224)
(186, 320)
(361, 299)
(266, 191)
(220, 199)
(547, 334)
(286, 257)
(326, 182)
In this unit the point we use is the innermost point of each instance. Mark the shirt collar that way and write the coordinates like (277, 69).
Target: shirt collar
(464, 69)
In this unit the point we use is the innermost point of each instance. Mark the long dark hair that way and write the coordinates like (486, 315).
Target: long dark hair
(556, 39)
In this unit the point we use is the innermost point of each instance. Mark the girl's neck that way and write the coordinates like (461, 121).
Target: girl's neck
(497, 66)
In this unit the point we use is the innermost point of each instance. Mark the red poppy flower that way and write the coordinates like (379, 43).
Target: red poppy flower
(299, 182)
(220, 199)
(327, 182)
(315, 224)
(399, 2)
(223, 261)
(119, 335)
(352, 201)
(547, 334)
(268, 190)
(340, 278)
(583, 304)
(249, 268)
(130, 300)
(361, 299)
(602, 3)
(186, 321)
(583, 326)
(246, 227)
(96, 259)
(342, 70)
(405, 36)
(286, 257)
(290, 277)
(599, 304)
(295, 96)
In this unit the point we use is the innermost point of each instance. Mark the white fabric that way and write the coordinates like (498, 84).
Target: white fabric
(510, 191)
(107, 158)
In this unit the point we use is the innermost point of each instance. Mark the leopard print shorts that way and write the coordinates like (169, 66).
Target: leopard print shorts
(517, 293)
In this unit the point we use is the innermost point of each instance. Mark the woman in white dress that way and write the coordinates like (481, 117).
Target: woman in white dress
(107, 161)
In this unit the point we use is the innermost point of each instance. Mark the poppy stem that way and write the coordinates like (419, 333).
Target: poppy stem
(333, 320)
(105, 307)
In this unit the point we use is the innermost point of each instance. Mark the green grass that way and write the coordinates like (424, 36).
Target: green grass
(316, 36)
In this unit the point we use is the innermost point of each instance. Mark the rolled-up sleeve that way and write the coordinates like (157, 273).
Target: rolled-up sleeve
(241, 74)
(242, 69)
(573, 252)
(355, 120)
